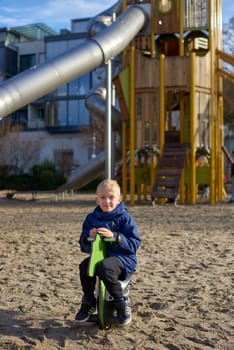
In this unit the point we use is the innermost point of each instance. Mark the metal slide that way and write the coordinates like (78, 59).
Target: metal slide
(38, 81)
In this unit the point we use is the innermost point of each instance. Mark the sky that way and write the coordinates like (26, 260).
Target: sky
(58, 13)
(55, 13)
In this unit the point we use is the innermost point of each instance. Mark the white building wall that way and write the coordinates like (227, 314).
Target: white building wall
(76, 142)
(43, 145)
(36, 47)
(29, 47)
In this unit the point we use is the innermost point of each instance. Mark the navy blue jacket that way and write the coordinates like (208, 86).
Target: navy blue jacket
(121, 223)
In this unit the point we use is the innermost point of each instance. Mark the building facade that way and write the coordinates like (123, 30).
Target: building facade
(59, 123)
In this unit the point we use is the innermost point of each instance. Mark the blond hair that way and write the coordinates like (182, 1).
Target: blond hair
(109, 185)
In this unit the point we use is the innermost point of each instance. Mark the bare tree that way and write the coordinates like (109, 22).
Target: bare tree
(4, 130)
(18, 151)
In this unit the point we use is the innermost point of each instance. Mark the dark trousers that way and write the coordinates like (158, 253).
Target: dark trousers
(110, 271)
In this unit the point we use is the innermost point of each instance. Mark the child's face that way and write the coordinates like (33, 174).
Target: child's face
(108, 199)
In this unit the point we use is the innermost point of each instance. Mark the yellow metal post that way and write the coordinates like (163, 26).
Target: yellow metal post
(193, 127)
(132, 124)
(221, 192)
(182, 186)
(124, 160)
(221, 144)
(212, 95)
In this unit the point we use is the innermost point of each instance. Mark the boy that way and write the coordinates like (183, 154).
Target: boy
(109, 219)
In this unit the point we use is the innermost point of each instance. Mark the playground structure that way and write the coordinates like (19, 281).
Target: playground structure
(169, 90)
(175, 99)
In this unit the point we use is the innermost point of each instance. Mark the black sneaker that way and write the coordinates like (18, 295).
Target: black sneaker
(124, 316)
(86, 310)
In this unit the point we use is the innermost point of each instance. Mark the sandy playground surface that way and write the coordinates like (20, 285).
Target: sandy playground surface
(182, 292)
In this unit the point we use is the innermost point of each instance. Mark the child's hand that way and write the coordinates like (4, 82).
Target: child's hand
(104, 232)
(93, 232)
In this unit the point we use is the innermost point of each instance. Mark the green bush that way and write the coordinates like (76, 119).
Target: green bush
(43, 177)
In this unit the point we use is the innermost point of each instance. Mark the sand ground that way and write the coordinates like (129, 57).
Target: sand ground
(181, 293)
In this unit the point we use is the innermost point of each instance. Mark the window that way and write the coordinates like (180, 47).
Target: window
(10, 62)
(78, 113)
(62, 113)
(62, 90)
(27, 61)
(84, 117)
(73, 112)
(41, 114)
(79, 86)
(20, 117)
(67, 113)
(195, 13)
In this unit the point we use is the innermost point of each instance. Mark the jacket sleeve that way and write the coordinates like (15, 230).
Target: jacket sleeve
(85, 245)
(127, 237)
